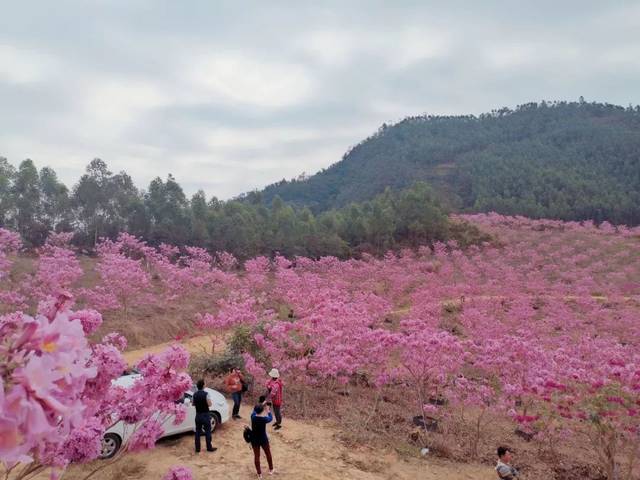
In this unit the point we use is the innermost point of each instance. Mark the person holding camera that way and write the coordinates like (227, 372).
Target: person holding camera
(260, 417)
(235, 385)
(274, 395)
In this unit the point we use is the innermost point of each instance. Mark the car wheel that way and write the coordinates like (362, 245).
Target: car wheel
(110, 445)
(215, 421)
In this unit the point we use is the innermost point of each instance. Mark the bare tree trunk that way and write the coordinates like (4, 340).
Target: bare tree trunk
(476, 440)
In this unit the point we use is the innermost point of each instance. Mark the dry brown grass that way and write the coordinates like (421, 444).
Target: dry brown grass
(128, 468)
(145, 325)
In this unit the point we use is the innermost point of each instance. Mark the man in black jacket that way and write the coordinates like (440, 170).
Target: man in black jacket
(202, 402)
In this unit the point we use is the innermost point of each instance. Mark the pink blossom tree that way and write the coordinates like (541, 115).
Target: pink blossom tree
(58, 267)
(10, 295)
(57, 396)
(124, 281)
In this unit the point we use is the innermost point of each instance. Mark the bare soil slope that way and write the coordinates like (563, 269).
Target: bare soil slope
(301, 451)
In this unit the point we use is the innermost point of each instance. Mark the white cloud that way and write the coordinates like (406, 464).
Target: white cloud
(418, 44)
(529, 54)
(267, 137)
(23, 66)
(119, 100)
(399, 48)
(330, 48)
(510, 56)
(240, 79)
(620, 56)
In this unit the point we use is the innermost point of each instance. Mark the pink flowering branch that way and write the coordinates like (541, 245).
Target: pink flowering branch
(56, 392)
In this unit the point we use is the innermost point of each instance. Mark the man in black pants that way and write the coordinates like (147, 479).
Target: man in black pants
(202, 402)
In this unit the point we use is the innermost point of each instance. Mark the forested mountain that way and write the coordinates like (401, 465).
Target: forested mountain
(570, 161)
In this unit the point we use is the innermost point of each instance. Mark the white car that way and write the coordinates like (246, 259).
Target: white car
(120, 432)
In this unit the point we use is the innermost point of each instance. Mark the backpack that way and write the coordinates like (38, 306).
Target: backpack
(247, 434)
(245, 386)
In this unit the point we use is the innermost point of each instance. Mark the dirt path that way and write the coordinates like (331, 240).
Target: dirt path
(201, 343)
(301, 451)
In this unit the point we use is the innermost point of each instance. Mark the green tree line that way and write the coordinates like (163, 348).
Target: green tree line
(102, 204)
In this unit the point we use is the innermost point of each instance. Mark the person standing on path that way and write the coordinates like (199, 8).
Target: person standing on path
(259, 418)
(234, 382)
(202, 402)
(274, 395)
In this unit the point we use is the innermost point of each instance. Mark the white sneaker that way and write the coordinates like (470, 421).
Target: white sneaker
(272, 472)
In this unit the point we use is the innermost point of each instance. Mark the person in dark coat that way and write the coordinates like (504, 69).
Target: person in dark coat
(202, 402)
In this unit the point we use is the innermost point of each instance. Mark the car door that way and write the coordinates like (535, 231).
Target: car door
(168, 424)
(188, 424)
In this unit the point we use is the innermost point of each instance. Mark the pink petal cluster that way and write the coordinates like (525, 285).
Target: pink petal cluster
(90, 320)
(43, 378)
(57, 395)
(146, 435)
(84, 442)
(178, 473)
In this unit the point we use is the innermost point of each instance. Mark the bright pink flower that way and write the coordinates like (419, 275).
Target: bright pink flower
(146, 435)
(84, 442)
(178, 473)
(90, 320)
(116, 340)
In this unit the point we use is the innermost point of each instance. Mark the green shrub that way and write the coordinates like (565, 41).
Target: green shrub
(215, 365)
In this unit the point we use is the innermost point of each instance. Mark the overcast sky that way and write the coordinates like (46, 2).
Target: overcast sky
(232, 96)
